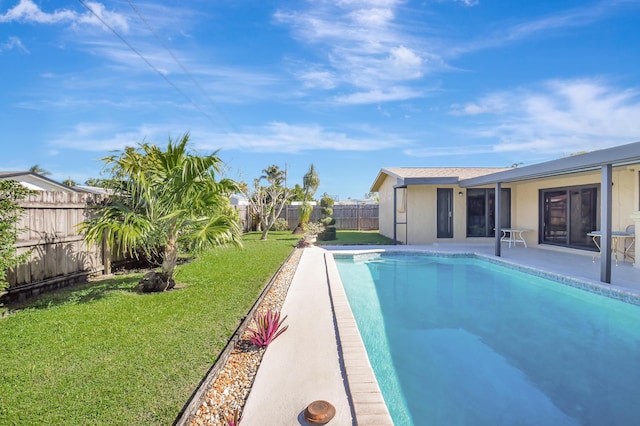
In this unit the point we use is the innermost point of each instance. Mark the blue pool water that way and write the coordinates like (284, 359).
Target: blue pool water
(461, 341)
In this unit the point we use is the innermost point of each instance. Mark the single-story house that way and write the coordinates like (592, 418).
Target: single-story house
(356, 201)
(557, 203)
(36, 182)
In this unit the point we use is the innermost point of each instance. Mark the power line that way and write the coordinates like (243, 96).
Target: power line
(184, 69)
(145, 60)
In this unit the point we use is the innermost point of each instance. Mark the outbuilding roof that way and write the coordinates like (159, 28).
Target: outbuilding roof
(36, 182)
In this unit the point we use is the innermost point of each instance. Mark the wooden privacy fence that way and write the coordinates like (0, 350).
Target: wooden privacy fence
(348, 217)
(59, 256)
(356, 217)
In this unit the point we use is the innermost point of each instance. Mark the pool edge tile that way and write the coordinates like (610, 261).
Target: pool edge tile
(368, 405)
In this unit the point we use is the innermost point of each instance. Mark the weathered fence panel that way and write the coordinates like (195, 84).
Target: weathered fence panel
(58, 254)
(356, 217)
(246, 221)
(348, 217)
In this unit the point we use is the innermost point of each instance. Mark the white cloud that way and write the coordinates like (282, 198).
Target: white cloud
(293, 138)
(541, 26)
(13, 43)
(559, 116)
(382, 95)
(28, 12)
(99, 137)
(493, 103)
(272, 137)
(449, 151)
(469, 2)
(372, 17)
(366, 49)
(100, 13)
(317, 77)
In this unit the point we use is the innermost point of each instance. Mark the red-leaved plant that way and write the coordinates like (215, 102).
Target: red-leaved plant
(233, 419)
(267, 328)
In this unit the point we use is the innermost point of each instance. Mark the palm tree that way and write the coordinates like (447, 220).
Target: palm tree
(310, 183)
(39, 170)
(274, 175)
(167, 200)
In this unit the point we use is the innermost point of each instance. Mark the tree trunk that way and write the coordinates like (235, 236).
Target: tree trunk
(170, 258)
(264, 234)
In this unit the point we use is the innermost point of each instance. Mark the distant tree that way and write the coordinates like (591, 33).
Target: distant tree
(372, 196)
(297, 193)
(11, 192)
(39, 170)
(69, 182)
(274, 175)
(168, 200)
(310, 183)
(100, 183)
(267, 201)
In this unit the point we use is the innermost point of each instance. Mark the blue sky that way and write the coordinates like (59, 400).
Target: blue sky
(348, 85)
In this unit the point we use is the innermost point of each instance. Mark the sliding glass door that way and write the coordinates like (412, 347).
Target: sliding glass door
(568, 215)
(481, 214)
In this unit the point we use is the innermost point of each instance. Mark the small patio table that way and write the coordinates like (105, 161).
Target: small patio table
(615, 236)
(513, 236)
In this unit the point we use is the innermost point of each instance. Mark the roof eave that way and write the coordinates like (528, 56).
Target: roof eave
(617, 156)
(382, 175)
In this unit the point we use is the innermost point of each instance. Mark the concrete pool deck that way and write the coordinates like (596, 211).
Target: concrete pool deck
(321, 355)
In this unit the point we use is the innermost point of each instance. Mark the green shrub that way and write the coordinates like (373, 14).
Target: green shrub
(11, 192)
(280, 224)
(305, 211)
(328, 221)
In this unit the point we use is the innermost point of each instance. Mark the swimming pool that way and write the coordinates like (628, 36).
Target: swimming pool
(467, 342)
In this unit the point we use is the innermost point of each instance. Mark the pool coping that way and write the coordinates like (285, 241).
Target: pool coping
(367, 402)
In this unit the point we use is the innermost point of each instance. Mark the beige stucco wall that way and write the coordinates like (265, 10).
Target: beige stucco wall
(422, 211)
(421, 205)
(385, 207)
(419, 211)
(525, 210)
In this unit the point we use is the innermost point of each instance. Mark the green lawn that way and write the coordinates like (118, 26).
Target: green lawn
(104, 354)
(357, 237)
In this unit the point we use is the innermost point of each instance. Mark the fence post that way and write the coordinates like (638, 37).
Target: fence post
(106, 255)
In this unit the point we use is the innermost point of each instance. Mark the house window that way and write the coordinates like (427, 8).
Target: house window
(481, 216)
(568, 215)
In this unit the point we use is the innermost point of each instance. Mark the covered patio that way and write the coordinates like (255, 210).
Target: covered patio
(602, 161)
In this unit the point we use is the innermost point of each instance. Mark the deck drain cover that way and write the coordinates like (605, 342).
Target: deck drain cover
(319, 412)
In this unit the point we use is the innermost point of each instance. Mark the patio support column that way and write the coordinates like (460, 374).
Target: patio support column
(395, 215)
(635, 216)
(498, 217)
(605, 224)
